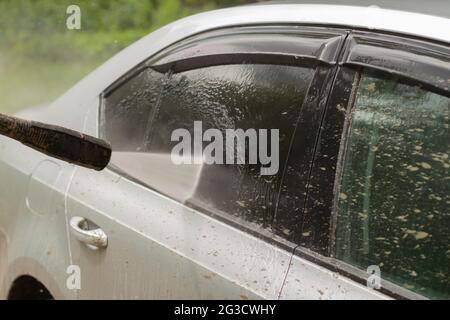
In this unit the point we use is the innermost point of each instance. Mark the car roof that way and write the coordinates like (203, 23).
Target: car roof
(351, 16)
(440, 8)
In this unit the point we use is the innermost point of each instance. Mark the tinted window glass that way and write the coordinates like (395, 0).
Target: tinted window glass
(394, 196)
(128, 110)
(221, 97)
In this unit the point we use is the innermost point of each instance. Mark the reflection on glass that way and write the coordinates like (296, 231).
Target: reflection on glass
(394, 201)
(141, 115)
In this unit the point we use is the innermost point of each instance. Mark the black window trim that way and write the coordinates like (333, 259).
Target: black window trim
(427, 64)
(326, 51)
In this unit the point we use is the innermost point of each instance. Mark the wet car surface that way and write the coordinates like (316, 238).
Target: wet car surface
(363, 111)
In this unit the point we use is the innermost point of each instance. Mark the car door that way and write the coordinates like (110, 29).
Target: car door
(34, 245)
(147, 227)
(381, 176)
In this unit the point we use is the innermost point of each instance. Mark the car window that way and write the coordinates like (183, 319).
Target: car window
(129, 109)
(394, 198)
(141, 121)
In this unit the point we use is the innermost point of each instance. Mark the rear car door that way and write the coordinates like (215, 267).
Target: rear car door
(380, 179)
(202, 231)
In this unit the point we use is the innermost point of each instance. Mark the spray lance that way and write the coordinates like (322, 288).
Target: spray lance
(58, 142)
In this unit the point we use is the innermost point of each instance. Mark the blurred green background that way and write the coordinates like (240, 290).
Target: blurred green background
(40, 58)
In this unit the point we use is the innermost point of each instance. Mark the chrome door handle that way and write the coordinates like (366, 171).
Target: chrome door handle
(95, 238)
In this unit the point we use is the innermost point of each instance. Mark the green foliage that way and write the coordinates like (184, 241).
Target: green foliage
(36, 44)
(37, 28)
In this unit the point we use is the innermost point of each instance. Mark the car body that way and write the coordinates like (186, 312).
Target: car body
(162, 245)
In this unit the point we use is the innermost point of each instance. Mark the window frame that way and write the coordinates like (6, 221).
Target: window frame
(362, 51)
(322, 56)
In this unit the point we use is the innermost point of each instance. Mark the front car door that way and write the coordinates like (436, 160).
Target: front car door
(203, 230)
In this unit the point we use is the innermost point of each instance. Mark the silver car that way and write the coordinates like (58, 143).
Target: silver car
(359, 208)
